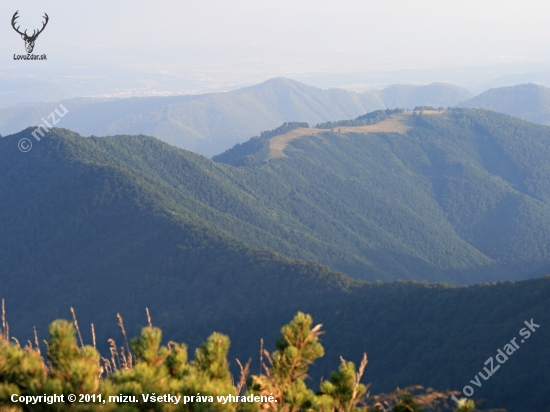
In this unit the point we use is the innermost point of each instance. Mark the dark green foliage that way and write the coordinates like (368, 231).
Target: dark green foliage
(284, 128)
(203, 384)
(285, 377)
(343, 387)
(146, 347)
(71, 370)
(166, 370)
(379, 115)
(250, 153)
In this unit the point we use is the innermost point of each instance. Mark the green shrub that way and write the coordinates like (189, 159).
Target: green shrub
(202, 384)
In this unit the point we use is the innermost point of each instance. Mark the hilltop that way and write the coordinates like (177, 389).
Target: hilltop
(434, 94)
(463, 169)
(527, 101)
(211, 123)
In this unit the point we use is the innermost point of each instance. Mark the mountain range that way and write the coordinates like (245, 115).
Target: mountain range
(116, 224)
(211, 123)
(298, 218)
(457, 196)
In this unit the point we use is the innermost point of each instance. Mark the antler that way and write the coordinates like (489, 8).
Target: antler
(35, 35)
(13, 19)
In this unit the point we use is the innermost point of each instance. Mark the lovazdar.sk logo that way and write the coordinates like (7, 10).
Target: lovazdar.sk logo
(29, 39)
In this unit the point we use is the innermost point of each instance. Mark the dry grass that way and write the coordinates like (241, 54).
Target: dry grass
(278, 144)
(358, 374)
(245, 370)
(5, 327)
(93, 336)
(435, 112)
(399, 123)
(75, 322)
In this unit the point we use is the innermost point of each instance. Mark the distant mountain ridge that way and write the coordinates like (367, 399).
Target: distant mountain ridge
(527, 101)
(406, 96)
(211, 123)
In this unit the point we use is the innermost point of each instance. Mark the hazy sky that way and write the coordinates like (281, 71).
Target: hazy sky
(242, 42)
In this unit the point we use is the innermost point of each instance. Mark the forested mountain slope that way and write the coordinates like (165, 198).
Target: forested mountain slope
(461, 191)
(458, 196)
(441, 336)
(78, 227)
(526, 101)
(312, 208)
(116, 224)
(211, 123)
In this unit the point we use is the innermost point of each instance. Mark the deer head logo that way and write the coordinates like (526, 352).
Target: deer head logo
(29, 40)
